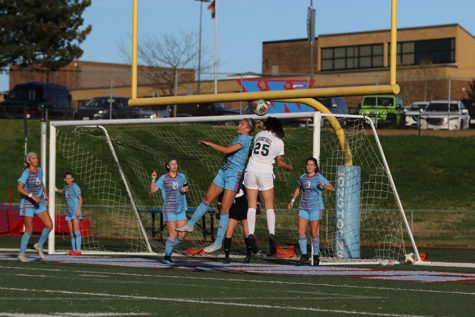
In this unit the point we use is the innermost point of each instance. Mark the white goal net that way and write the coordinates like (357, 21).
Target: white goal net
(112, 161)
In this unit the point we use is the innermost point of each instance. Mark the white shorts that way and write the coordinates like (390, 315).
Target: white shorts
(258, 180)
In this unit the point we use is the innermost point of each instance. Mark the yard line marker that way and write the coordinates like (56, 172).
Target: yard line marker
(209, 302)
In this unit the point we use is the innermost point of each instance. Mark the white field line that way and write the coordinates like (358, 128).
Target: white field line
(201, 286)
(209, 302)
(73, 299)
(251, 281)
(31, 275)
(67, 314)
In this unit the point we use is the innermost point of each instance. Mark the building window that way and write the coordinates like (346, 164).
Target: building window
(352, 57)
(440, 51)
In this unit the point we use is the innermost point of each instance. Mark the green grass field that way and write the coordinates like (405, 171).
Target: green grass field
(56, 289)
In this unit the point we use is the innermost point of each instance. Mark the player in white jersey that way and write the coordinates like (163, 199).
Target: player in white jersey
(267, 149)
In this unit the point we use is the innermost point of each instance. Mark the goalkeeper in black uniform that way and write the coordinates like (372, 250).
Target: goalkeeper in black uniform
(237, 213)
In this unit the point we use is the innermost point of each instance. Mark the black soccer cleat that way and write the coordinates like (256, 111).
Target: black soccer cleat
(303, 259)
(227, 260)
(316, 260)
(252, 243)
(248, 257)
(272, 246)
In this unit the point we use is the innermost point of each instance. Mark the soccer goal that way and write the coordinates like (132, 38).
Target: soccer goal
(112, 161)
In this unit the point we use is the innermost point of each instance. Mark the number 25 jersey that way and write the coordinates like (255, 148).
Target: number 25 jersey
(266, 147)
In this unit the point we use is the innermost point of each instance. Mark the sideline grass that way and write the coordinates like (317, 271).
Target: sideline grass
(49, 288)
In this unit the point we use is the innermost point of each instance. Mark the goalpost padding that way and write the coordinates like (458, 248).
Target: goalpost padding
(347, 215)
(144, 145)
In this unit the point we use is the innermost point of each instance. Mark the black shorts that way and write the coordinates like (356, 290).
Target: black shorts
(238, 210)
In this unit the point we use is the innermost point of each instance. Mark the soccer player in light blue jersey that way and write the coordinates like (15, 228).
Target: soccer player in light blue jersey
(228, 179)
(174, 187)
(74, 201)
(310, 208)
(33, 202)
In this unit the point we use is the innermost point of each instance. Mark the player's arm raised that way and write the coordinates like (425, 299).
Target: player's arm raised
(153, 187)
(222, 149)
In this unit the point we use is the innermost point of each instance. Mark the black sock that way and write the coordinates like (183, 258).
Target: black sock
(227, 246)
(248, 245)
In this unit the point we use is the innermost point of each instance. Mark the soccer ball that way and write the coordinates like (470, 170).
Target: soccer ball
(410, 258)
(261, 107)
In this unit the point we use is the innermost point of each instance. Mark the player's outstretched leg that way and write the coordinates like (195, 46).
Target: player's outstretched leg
(199, 212)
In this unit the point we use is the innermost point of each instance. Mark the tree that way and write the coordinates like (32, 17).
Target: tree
(41, 35)
(168, 56)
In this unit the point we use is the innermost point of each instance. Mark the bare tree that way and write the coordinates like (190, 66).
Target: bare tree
(422, 83)
(167, 57)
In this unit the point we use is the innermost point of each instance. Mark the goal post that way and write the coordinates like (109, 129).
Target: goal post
(112, 161)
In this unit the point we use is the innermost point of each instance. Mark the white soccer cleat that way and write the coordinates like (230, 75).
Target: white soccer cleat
(40, 251)
(185, 228)
(212, 248)
(22, 258)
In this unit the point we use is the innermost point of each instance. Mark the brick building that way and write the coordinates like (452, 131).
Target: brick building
(427, 57)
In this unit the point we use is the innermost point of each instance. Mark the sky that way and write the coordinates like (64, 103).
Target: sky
(244, 24)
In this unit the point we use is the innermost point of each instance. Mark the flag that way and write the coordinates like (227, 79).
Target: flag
(212, 9)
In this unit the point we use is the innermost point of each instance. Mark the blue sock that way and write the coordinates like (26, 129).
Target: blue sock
(73, 241)
(199, 212)
(316, 245)
(44, 236)
(24, 242)
(77, 234)
(303, 244)
(169, 246)
(223, 225)
(178, 240)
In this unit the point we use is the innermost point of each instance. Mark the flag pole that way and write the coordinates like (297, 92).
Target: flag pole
(215, 46)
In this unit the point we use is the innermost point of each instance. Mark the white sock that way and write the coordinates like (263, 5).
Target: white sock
(251, 220)
(270, 221)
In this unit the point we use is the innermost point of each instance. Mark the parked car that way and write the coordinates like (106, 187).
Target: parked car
(100, 108)
(470, 106)
(413, 112)
(385, 110)
(442, 114)
(32, 95)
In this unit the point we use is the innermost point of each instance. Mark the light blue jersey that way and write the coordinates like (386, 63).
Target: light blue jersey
(72, 194)
(237, 160)
(173, 199)
(33, 183)
(311, 192)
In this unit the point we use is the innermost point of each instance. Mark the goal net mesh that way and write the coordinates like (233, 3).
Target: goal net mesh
(111, 224)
